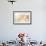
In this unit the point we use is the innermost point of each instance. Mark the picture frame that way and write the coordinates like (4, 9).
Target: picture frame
(22, 17)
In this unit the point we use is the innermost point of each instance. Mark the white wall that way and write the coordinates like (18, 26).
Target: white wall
(9, 31)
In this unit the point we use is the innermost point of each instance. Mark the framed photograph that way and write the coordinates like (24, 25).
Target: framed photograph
(22, 17)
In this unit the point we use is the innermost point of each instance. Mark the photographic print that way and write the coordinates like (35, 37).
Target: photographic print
(22, 17)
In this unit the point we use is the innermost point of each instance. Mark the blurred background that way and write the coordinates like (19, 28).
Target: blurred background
(37, 30)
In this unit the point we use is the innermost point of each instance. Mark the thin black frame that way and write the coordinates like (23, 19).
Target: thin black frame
(23, 23)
